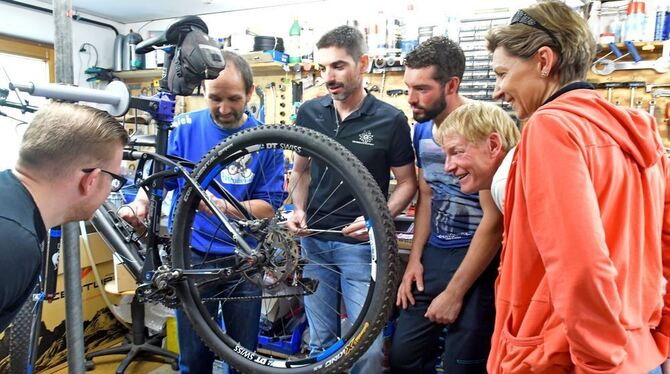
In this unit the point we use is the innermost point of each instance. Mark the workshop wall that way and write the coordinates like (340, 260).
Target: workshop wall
(38, 26)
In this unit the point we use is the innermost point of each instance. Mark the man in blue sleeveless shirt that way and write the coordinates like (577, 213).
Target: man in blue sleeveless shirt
(442, 285)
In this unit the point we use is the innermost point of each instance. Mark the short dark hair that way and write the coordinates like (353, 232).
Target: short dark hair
(345, 37)
(441, 52)
(62, 135)
(242, 66)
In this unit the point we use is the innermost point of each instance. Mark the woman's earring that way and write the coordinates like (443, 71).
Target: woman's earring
(544, 74)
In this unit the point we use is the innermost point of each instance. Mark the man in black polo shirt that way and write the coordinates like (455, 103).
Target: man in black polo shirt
(378, 134)
(69, 159)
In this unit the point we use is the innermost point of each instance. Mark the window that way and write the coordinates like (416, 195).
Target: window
(20, 61)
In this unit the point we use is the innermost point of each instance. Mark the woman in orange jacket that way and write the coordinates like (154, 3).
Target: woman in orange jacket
(586, 254)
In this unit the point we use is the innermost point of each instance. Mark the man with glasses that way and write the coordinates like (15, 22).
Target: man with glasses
(68, 163)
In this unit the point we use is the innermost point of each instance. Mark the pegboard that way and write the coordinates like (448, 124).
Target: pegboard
(642, 95)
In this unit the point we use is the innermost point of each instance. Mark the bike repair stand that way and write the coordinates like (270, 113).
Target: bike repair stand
(161, 107)
(138, 345)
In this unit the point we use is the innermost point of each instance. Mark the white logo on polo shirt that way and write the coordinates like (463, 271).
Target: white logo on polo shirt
(365, 138)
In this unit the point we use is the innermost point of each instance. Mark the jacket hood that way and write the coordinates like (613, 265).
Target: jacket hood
(633, 130)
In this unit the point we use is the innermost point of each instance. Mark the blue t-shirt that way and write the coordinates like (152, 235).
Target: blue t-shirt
(454, 216)
(254, 176)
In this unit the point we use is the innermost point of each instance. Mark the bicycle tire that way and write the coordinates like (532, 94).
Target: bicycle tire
(383, 277)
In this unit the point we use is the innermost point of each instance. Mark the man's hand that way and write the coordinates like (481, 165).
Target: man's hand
(297, 224)
(221, 204)
(445, 307)
(413, 273)
(135, 213)
(357, 229)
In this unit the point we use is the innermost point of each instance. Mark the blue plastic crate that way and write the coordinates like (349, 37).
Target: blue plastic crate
(288, 345)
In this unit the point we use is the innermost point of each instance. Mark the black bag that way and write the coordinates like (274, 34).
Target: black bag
(196, 56)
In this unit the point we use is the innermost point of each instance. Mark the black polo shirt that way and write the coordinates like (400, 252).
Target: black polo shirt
(377, 133)
(21, 233)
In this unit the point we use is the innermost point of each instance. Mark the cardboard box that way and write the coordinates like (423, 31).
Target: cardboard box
(123, 280)
(101, 329)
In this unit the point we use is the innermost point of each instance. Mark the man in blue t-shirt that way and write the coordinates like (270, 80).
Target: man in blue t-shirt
(256, 180)
(451, 270)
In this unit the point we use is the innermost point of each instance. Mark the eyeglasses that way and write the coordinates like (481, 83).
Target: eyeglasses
(523, 18)
(117, 180)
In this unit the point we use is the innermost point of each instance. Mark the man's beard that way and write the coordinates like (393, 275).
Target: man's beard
(432, 112)
(229, 123)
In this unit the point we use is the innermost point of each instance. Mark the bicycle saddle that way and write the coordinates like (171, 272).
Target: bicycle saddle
(171, 35)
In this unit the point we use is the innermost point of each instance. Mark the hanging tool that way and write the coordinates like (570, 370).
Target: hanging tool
(638, 104)
(661, 93)
(271, 86)
(652, 107)
(613, 49)
(661, 65)
(651, 86)
(605, 61)
(610, 86)
(261, 104)
(297, 91)
(633, 86)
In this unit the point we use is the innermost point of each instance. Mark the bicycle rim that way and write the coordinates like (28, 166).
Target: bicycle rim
(280, 281)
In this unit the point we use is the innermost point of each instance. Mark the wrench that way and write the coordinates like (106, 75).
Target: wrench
(661, 92)
(660, 65)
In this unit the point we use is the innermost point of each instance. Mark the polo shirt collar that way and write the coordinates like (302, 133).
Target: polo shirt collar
(367, 108)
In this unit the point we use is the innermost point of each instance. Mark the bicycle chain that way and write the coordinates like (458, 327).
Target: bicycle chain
(250, 297)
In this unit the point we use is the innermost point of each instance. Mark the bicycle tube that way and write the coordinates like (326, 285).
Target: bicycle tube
(280, 274)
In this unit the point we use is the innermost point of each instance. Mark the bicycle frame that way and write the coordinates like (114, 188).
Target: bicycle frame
(115, 232)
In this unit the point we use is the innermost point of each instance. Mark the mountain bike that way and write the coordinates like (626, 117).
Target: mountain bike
(178, 271)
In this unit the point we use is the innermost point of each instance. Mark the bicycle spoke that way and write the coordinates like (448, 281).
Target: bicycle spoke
(324, 202)
(316, 189)
(333, 212)
(337, 312)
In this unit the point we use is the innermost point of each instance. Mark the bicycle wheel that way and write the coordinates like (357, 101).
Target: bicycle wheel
(278, 265)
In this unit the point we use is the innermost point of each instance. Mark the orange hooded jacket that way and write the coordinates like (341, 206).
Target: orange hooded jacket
(587, 243)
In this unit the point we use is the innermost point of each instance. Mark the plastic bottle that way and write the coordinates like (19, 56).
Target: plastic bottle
(660, 22)
(594, 19)
(616, 27)
(135, 61)
(410, 30)
(294, 43)
(635, 21)
(666, 24)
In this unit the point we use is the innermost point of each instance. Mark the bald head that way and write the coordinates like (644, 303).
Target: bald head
(228, 94)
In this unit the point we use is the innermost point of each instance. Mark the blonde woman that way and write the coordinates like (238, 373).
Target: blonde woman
(587, 232)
